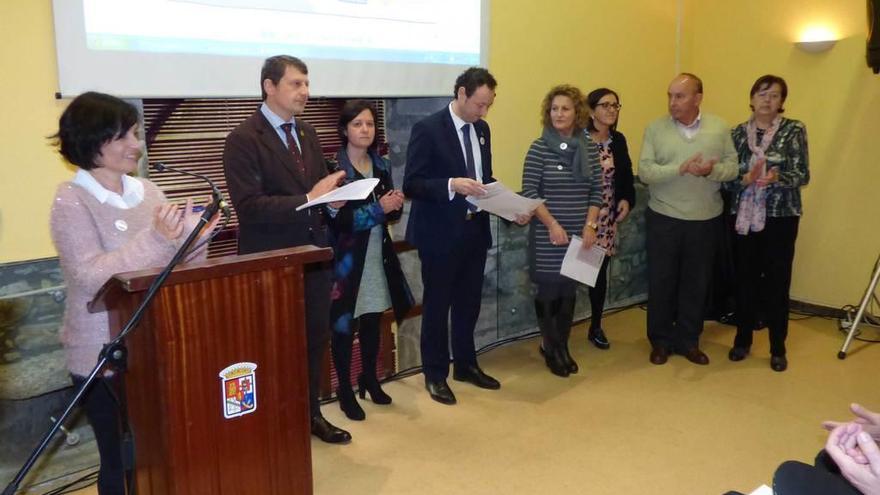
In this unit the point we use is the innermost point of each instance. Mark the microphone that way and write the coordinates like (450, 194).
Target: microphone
(215, 191)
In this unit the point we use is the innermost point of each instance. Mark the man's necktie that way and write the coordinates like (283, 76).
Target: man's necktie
(294, 149)
(469, 152)
(469, 159)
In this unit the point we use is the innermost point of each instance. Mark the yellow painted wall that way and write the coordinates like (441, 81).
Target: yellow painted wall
(730, 44)
(531, 49)
(586, 43)
(628, 45)
(29, 168)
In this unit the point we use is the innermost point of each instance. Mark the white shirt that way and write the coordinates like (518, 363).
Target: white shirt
(475, 147)
(132, 190)
(689, 130)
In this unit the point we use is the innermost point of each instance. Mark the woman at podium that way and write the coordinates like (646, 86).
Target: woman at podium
(367, 275)
(103, 222)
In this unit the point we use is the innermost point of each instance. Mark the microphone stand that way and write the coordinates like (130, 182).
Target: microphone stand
(114, 352)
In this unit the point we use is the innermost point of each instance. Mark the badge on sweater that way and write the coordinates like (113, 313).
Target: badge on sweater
(121, 225)
(563, 146)
(482, 141)
(238, 387)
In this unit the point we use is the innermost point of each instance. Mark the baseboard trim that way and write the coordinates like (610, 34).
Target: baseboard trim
(816, 309)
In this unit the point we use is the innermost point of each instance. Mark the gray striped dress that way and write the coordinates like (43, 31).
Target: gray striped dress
(567, 198)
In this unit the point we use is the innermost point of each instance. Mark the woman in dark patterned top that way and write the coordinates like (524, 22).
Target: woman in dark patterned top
(367, 278)
(618, 194)
(561, 166)
(766, 199)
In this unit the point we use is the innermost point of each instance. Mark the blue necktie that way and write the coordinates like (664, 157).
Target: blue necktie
(469, 152)
(469, 159)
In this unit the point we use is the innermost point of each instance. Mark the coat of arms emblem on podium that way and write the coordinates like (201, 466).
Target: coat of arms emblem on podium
(238, 383)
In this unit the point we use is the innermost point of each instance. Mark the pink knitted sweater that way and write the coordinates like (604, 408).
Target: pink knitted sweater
(95, 241)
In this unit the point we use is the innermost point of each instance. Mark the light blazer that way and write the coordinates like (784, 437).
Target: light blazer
(434, 156)
(266, 187)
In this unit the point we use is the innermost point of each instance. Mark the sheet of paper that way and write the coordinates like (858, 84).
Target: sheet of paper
(501, 201)
(582, 264)
(762, 490)
(352, 191)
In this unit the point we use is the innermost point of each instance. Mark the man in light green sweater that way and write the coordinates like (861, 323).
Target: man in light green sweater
(685, 157)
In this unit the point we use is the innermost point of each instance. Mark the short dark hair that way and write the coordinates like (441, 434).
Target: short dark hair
(275, 67)
(593, 100)
(472, 79)
(90, 121)
(350, 110)
(696, 80)
(764, 82)
(581, 115)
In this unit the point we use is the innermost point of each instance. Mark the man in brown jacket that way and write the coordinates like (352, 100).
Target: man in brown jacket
(273, 164)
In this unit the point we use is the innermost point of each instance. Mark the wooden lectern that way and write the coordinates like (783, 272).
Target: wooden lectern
(204, 419)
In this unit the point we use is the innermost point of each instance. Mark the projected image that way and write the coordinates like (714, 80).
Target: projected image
(408, 31)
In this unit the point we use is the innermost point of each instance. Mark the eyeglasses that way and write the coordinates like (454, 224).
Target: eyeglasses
(610, 106)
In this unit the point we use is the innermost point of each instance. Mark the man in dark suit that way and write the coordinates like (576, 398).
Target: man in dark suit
(449, 157)
(273, 164)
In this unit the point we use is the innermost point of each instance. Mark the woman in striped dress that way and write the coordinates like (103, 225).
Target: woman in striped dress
(561, 166)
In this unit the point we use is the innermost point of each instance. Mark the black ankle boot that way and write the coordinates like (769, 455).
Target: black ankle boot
(371, 384)
(550, 348)
(349, 404)
(563, 325)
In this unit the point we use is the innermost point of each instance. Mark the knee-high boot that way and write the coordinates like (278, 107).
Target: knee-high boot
(340, 350)
(546, 312)
(369, 334)
(564, 319)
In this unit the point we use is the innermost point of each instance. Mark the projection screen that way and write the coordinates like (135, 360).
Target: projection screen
(213, 48)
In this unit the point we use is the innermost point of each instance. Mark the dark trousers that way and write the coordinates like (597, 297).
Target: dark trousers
(317, 298)
(797, 478)
(768, 254)
(597, 295)
(104, 413)
(680, 259)
(453, 287)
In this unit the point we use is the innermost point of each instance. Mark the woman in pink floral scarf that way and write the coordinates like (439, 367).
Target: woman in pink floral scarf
(766, 197)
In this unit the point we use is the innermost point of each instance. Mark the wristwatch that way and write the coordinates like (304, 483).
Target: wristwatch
(593, 225)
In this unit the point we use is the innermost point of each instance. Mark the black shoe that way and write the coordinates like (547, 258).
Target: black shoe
(322, 429)
(473, 374)
(371, 385)
(440, 392)
(349, 404)
(597, 337)
(555, 362)
(738, 353)
(778, 363)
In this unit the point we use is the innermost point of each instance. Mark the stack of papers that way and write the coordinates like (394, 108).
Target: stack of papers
(352, 191)
(580, 264)
(500, 200)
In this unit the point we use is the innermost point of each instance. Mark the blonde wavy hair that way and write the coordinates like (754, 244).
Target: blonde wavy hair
(581, 111)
